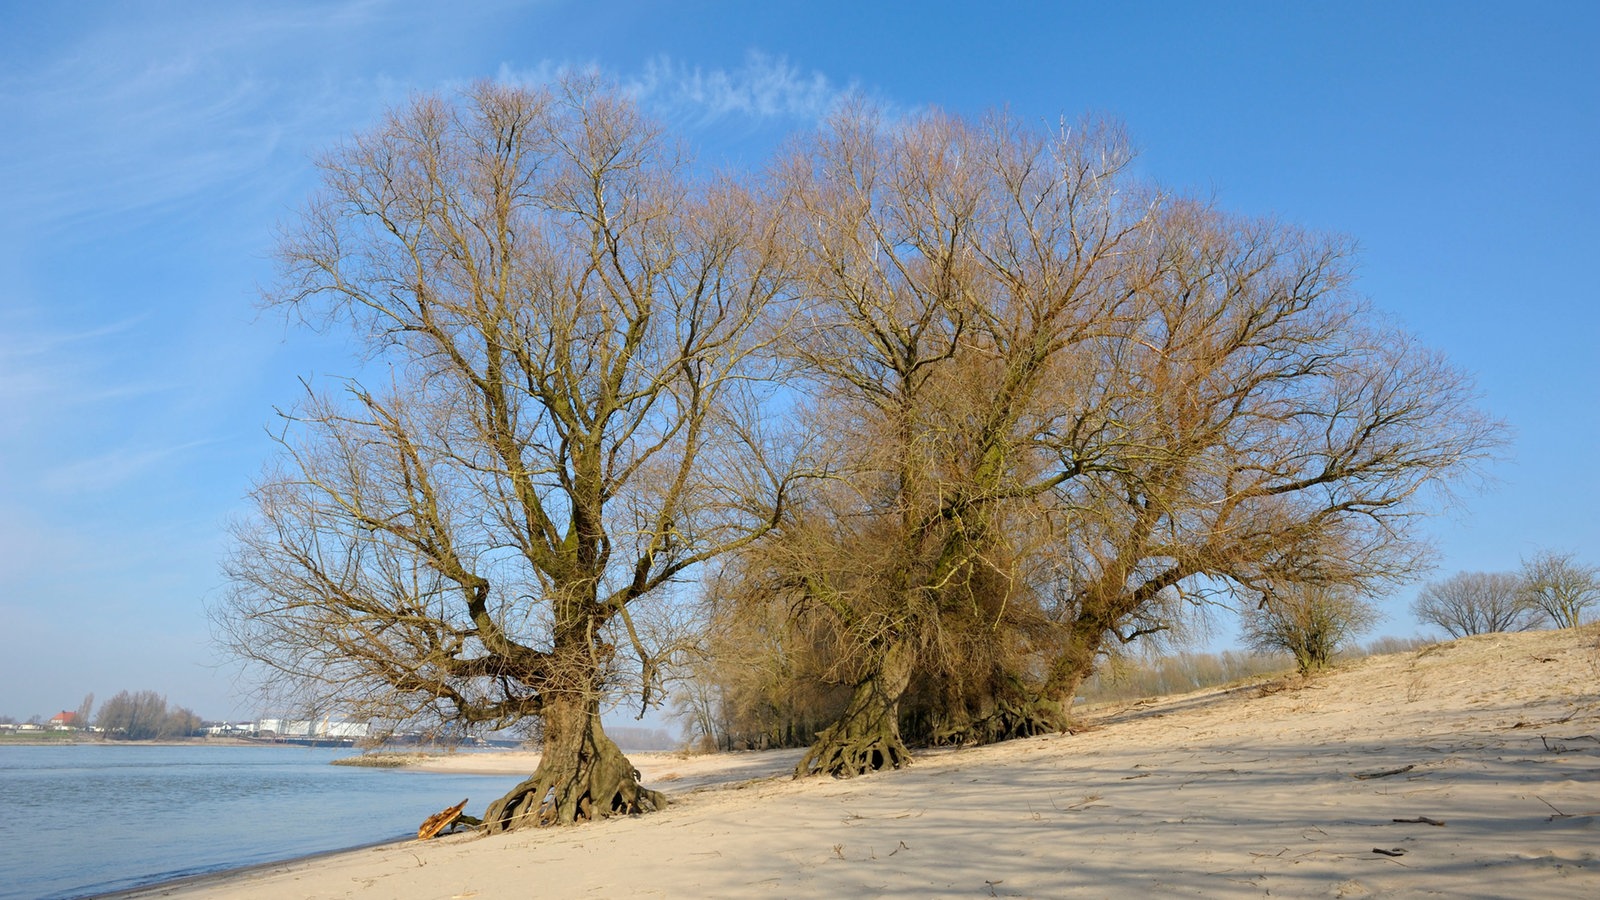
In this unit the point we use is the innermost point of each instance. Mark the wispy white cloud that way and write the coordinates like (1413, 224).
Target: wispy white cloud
(147, 109)
(103, 471)
(44, 370)
(764, 89)
(102, 134)
(13, 346)
(144, 113)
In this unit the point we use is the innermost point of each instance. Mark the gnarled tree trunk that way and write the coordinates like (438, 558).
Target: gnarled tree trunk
(1074, 664)
(867, 737)
(582, 774)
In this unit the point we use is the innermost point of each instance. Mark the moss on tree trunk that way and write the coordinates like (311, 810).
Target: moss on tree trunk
(582, 775)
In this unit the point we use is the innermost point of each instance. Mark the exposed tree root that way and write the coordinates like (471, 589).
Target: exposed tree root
(1006, 719)
(580, 777)
(544, 800)
(867, 737)
(843, 754)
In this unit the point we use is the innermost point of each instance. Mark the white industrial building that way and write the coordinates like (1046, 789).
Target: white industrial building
(321, 729)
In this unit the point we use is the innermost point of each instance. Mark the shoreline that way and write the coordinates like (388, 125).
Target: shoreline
(1466, 769)
(678, 775)
(7, 741)
(176, 742)
(199, 880)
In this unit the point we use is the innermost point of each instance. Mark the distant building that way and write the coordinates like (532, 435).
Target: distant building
(321, 729)
(63, 721)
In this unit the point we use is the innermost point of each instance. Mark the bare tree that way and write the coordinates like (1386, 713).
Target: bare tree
(181, 722)
(1066, 409)
(1563, 588)
(1470, 603)
(955, 272)
(569, 323)
(1270, 430)
(1309, 622)
(135, 716)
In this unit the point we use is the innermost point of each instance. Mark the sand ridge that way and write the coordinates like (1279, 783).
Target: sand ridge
(1469, 769)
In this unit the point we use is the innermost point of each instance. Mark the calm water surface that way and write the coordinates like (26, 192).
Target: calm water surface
(84, 819)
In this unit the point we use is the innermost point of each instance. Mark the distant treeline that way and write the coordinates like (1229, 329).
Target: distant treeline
(1134, 678)
(144, 716)
(129, 716)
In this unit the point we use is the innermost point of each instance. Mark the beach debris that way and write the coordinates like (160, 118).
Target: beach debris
(1088, 802)
(1421, 820)
(1397, 851)
(1363, 776)
(439, 821)
(1561, 721)
(1558, 813)
(1557, 747)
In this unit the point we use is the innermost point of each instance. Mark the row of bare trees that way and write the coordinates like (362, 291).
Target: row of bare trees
(1551, 588)
(935, 411)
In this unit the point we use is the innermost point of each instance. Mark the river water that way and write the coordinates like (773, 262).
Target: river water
(83, 819)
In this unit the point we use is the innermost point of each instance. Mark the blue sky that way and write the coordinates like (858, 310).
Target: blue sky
(148, 151)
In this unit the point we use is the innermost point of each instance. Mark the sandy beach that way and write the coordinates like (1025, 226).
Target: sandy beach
(1469, 769)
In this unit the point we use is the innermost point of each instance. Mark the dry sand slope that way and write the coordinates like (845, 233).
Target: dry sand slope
(1468, 769)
